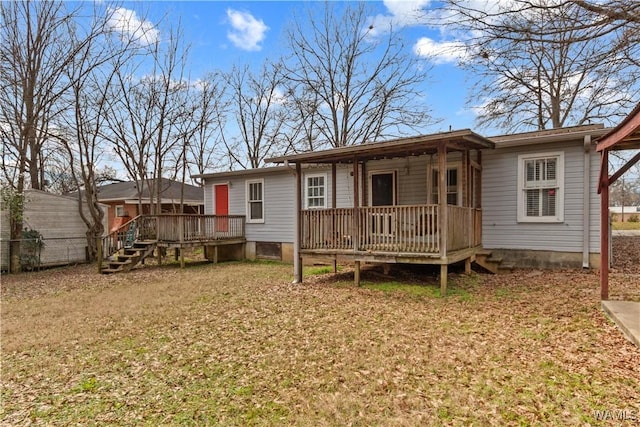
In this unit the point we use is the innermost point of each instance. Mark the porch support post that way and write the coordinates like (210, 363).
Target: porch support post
(334, 237)
(356, 204)
(356, 222)
(604, 226)
(181, 257)
(297, 259)
(333, 185)
(442, 215)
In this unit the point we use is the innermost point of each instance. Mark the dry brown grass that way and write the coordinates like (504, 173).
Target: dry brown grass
(237, 344)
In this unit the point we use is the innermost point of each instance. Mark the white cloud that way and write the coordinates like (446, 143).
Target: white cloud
(127, 23)
(441, 52)
(246, 31)
(401, 13)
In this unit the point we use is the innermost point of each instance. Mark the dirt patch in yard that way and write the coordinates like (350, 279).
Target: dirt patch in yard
(238, 344)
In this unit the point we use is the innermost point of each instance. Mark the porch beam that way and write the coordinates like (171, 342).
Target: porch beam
(613, 178)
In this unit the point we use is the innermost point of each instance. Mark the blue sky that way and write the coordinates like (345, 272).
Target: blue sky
(222, 33)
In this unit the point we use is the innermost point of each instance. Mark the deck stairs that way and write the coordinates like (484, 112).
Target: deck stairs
(492, 264)
(129, 257)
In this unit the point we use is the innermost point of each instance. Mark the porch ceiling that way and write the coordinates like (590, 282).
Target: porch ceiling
(460, 140)
(625, 136)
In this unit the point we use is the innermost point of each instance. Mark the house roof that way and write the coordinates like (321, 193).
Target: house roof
(625, 136)
(243, 172)
(170, 190)
(458, 140)
(571, 133)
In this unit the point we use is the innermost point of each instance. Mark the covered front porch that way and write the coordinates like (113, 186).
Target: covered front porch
(413, 200)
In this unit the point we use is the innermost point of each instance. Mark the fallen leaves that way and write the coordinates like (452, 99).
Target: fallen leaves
(237, 344)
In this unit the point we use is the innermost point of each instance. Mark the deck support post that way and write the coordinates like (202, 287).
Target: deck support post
(467, 266)
(356, 273)
(443, 279)
(159, 249)
(181, 257)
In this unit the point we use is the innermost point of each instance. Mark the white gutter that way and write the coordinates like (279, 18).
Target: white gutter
(586, 206)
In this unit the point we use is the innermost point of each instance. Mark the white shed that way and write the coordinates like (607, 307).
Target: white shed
(57, 219)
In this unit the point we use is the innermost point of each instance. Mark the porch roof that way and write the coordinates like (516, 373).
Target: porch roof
(625, 136)
(459, 140)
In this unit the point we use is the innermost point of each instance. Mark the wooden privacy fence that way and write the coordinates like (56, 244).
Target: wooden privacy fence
(411, 228)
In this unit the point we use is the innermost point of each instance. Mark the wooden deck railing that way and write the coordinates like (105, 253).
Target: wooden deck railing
(195, 228)
(412, 228)
(173, 228)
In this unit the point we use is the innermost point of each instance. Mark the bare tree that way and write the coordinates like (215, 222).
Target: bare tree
(40, 42)
(144, 112)
(542, 64)
(208, 119)
(92, 75)
(350, 86)
(256, 100)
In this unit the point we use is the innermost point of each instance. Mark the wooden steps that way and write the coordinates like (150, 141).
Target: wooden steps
(129, 258)
(495, 265)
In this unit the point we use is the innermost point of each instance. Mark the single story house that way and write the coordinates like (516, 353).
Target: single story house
(528, 200)
(59, 222)
(625, 213)
(125, 202)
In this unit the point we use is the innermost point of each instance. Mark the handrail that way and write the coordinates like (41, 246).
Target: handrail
(114, 241)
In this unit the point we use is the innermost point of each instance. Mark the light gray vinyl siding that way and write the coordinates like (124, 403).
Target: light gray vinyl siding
(278, 199)
(57, 219)
(499, 202)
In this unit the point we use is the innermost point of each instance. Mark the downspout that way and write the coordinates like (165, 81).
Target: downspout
(586, 205)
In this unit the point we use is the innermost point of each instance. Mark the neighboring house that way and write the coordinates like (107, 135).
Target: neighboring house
(625, 213)
(530, 199)
(57, 219)
(125, 203)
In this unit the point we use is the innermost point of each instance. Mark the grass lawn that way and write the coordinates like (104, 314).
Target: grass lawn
(237, 344)
(625, 225)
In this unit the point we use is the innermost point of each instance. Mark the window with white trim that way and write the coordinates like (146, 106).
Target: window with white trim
(255, 201)
(315, 193)
(120, 212)
(541, 187)
(453, 193)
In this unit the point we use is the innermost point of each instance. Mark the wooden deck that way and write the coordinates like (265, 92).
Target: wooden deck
(410, 234)
(176, 231)
(409, 231)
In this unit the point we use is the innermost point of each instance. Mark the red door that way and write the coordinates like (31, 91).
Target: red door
(221, 193)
